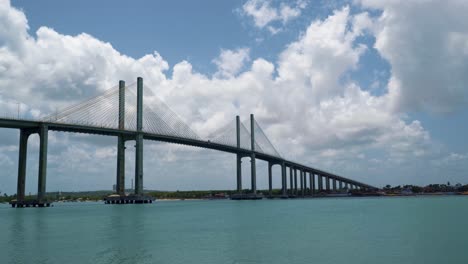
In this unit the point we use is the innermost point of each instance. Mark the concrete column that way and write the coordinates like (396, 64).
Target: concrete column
(120, 183)
(253, 172)
(291, 185)
(334, 184)
(302, 182)
(341, 185)
(120, 186)
(305, 182)
(23, 151)
(270, 180)
(312, 183)
(139, 165)
(346, 185)
(239, 157)
(253, 166)
(320, 182)
(239, 173)
(139, 140)
(327, 183)
(283, 180)
(43, 140)
(295, 181)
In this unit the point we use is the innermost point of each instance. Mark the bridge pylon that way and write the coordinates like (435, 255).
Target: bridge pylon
(253, 166)
(120, 184)
(139, 140)
(239, 157)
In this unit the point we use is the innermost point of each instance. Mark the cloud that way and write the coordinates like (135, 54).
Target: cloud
(310, 110)
(71, 67)
(264, 14)
(230, 62)
(425, 42)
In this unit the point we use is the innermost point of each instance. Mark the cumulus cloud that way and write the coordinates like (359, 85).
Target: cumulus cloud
(264, 13)
(311, 113)
(425, 43)
(230, 62)
(71, 67)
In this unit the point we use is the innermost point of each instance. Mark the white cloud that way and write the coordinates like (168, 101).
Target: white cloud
(425, 43)
(307, 108)
(230, 62)
(263, 13)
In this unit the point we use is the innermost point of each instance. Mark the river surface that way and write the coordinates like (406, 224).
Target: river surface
(332, 230)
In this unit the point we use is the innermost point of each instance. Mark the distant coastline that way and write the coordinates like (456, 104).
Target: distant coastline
(387, 191)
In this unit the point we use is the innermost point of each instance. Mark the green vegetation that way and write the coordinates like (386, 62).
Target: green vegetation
(99, 195)
(429, 189)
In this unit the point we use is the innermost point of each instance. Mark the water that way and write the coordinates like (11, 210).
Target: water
(339, 230)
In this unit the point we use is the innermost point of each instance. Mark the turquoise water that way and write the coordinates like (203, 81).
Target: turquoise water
(334, 230)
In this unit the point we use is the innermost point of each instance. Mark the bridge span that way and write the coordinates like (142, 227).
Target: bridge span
(164, 125)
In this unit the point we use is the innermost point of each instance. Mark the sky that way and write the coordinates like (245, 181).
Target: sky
(374, 90)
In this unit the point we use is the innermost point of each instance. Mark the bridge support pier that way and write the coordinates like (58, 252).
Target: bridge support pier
(327, 183)
(270, 179)
(120, 183)
(43, 142)
(295, 181)
(304, 175)
(334, 184)
(239, 173)
(312, 183)
(41, 200)
(139, 165)
(291, 188)
(139, 140)
(301, 173)
(320, 182)
(341, 184)
(239, 157)
(283, 181)
(22, 160)
(253, 172)
(253, 167)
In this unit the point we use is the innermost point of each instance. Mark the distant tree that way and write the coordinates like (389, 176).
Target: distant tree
(416, 189)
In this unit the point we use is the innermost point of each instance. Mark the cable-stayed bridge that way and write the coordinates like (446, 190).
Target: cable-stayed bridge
(120, 112)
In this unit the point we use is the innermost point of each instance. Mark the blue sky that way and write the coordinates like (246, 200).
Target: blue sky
(362, 88)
